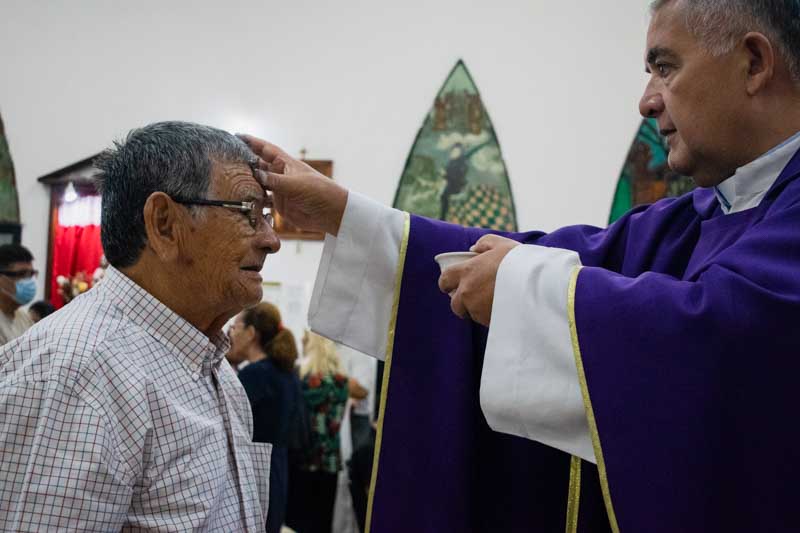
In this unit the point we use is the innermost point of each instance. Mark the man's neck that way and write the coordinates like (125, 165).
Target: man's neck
(772, 138)
(167, 289)
(773, 122)
(255, 354)
(765, 139)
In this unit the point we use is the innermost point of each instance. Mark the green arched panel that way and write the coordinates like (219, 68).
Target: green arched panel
(9, 203)
(645, 177)
(455, 170)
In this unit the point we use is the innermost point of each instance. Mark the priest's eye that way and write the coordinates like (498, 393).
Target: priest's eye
(663, 69)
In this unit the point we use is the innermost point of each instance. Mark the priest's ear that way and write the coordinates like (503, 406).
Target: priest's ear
(165, 226)
(761, 61)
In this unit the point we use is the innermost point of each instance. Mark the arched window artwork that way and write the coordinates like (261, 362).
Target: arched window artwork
(9, 203)
(455, 170)
(645, 176)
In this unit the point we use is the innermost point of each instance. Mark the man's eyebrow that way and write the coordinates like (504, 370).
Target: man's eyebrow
(656, 52)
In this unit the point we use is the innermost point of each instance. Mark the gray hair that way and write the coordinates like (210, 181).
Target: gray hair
(719, 24)
(176, 158)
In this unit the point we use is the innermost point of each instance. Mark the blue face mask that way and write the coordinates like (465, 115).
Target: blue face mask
(25, 290)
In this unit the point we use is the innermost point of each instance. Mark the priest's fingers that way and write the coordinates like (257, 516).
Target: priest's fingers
(261, 177)
(263, 149)
(277, 165)
(490, 242)
(275, 182)
(457, 305)
(448, 280)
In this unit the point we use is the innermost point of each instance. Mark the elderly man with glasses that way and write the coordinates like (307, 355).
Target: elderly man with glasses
(120, 412)
(17, 288)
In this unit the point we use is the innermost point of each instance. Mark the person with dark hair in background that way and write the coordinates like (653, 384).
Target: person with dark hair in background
(40, 309)
(17, 288)
(119, 412)
(273, 388)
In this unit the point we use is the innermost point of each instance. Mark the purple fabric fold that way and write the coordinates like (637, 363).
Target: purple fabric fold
(442, 469)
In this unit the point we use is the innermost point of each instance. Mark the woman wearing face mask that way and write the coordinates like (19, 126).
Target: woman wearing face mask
(257, 336)
(17, 288)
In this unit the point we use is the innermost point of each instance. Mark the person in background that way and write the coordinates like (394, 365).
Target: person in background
(361, 370)
(39, 310)
(359, 470)
(273, 388)
(17, 288)
(312, 491)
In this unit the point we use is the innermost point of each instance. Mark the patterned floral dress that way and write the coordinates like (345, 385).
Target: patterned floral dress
(326, 397)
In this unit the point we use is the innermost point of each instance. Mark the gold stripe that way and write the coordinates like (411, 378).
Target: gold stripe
(574, 497)
(388, 366)
(587, 402)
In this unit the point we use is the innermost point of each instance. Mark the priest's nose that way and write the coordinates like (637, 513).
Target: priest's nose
(652, 104)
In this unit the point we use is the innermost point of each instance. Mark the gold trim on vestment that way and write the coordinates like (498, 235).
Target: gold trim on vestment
(388, 365)
(587, 402)
(574, 495)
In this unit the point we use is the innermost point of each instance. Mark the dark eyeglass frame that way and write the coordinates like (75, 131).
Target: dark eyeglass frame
(248, 208)
(20, 274)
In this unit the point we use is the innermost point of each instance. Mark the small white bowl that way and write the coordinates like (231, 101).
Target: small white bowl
(452, 258)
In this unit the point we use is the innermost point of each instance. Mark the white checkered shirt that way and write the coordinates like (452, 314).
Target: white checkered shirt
(118, 415)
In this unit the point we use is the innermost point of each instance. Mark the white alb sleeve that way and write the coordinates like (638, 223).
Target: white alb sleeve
(529, 385)
(354, 290)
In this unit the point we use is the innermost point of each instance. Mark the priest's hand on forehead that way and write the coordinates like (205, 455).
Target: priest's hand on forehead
(303, 196)
(471, 284)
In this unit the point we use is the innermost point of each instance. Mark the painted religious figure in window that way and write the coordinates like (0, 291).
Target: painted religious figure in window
(455, 170)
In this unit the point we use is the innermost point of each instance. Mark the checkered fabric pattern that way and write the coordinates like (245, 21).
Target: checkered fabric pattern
(118, 415)
(482, 206)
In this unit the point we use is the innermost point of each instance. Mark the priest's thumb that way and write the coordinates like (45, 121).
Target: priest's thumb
(484, 244)
(274, 181)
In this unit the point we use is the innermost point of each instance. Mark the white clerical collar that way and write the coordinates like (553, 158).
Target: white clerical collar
(750, 183)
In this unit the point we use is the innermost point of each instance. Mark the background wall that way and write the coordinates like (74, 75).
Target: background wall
(350, 81)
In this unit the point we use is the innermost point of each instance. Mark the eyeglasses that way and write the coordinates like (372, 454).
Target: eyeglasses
(254, 211)
(20, 274)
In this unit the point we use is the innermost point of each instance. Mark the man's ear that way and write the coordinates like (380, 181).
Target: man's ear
(761, 61)
(162, 223)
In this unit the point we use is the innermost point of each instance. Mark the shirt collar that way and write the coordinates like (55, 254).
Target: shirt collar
(196, 350)
(750, 183)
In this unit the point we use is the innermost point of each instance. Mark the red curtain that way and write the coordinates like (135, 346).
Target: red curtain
(75, 249)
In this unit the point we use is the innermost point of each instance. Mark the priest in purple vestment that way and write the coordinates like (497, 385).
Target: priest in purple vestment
(636, 378)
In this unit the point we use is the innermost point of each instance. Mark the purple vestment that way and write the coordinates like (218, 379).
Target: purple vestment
(684, 318)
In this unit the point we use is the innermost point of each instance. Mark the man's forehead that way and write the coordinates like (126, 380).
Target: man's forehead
(236, 179)
(667, 34)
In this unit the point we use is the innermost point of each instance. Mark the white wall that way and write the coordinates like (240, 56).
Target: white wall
(350, 81)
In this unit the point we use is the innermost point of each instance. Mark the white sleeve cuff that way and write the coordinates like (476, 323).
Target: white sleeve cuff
(529, 385)
(354, 289)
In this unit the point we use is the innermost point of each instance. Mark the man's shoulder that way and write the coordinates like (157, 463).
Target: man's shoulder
(76, 345)
(21, 316)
